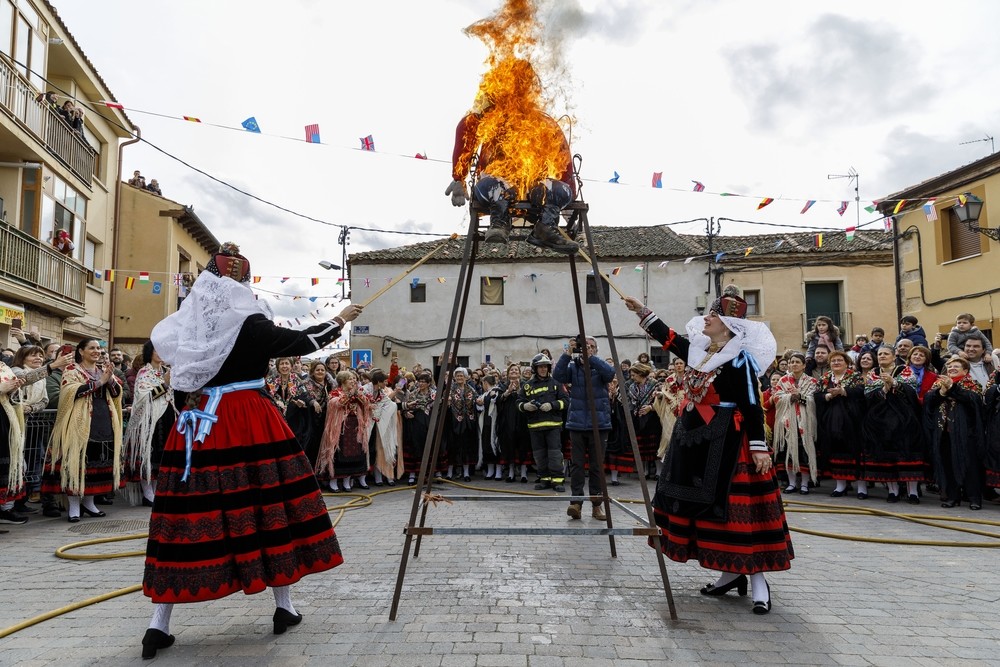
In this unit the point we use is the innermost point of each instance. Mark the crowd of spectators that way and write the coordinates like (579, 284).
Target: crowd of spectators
(139, 181)
(911, 416)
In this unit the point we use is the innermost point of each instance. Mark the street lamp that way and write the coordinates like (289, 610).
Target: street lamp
(969, 213)
(330, 266)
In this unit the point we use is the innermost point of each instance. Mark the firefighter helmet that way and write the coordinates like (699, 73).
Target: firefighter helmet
(540, 360)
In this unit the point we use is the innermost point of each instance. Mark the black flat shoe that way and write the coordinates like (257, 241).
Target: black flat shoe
(104, 500)
(91, 513)
(510, 480)
(363, 486)
(950, 503)
(760, 607)
(146, 502)
(391, 483)
(739, 583)
(914, 499)
(524, 480)
(789, 489)
(974, 506)
(466, 479)
(615, 482)
(73, 519)
(378, 483)
(837, 494)
(892, 498)
(284, 619)
(861, 496)
(153, 641)
(804, 491)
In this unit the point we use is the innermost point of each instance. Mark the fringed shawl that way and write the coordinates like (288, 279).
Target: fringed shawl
(667, 404)
(71, 431)
(795, 420)
(151, 400)
(15, 436)
(339, 407)
(384, 413)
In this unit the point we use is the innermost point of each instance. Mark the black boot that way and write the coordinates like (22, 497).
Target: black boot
(499, 231)
(546, 233)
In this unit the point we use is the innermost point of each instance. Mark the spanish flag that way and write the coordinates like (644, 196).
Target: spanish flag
(256, 279)
(315, 281)
(818, 240)
(899, 206)
(764, 202)
(615, 271)
(129, 282)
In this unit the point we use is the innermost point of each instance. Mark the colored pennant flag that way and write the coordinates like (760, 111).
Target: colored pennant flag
(764, 202)
(441, 280)
(808, 206)
(414, 283)
(256, 279)
(614, 179)
(421, 156)
(748, 251)
(191, 119)
(297, 322)
(638, 268)
(870, 209)
(367, 143)
(698, 186)
(657, 179)
(898, 207)
(689, 260)
(719, 256)
(779, 244)
(296, 298)
(930, 211)
(250, 125)
(961, 201)
(615, 271)
(341, 281)
(129, 282)
(487, 279)
(143, 276)
(729, 194)
(368, 282)
(313, 299)
(314, 281)
(284, 279)
(109, 275)
(157, 287)
(888, 220)
(850, 233)
(817, 240)
(664, 263)
(842, 209)
(112, 105)
(178, 279)
(98, 274)
(312, 134)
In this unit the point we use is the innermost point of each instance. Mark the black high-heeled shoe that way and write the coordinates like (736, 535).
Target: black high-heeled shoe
(761, 607)
(153, 641)
(92, 513)
(284, 619)
(739, 583)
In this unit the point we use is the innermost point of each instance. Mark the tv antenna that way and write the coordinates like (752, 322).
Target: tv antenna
(993, 148)
(852, 175)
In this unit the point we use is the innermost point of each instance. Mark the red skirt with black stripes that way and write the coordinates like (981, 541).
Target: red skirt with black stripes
(249, 516)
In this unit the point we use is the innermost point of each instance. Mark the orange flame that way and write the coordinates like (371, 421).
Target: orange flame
(521, 143)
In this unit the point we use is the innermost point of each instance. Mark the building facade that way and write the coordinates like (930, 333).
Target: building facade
(944, 266)
(164, 245)
(522, 301)
(53, 178)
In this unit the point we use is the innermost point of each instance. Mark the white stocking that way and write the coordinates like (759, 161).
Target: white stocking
(862, 486)
(759, 588)
(283, 598)
(161, 617)
(465, 471)
(725, 578)
(148, 489)
(894, 488)
(378, 476)
(911, 488)
(841, 485)
(524, 470)
(88, 503)
(74, 506)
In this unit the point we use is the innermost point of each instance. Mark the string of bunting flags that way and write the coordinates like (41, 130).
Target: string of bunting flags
(367, 144)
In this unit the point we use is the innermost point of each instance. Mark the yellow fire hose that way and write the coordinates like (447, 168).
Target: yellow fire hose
(361, 500)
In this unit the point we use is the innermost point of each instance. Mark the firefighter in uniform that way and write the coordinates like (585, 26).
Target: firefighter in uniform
(543, 400)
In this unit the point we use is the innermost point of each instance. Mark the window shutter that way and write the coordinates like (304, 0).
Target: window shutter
(964, 241)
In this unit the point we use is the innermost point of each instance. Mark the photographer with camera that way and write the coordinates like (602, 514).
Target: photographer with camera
(570, 370)
(542, 399)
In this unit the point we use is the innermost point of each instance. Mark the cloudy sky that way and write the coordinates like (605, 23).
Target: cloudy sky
(764, 99)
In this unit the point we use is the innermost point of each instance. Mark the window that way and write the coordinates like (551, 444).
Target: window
(418, 293)
(592, 290)
(491, 291)
(752, 297)
(961, 241)
(90, 252)
(31, 185)
(66, 209)
(823, 299)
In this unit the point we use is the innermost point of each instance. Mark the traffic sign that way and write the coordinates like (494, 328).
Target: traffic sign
(359, 357)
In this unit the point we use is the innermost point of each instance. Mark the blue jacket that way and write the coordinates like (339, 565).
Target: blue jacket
(916, 334)
(570, 371)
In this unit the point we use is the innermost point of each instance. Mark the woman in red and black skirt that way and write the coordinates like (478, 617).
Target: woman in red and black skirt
(718, 499)
(641, 391)
(237, 505)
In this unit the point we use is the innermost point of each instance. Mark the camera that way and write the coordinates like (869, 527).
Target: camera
(537, 404)
(578, 344)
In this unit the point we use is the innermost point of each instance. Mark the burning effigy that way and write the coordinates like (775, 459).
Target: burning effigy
(520, 151)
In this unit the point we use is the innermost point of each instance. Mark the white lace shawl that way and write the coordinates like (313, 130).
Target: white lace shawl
(196, 340)
(795, 422)
(146, 412)
(750, 336)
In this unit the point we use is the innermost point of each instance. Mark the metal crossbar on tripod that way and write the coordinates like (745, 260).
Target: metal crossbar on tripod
(576, 222)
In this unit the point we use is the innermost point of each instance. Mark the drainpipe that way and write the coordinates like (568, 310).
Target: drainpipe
(117, 224)
(896, 268)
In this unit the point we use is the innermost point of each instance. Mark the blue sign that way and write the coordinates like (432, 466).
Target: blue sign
(359, 357)
(360, 329)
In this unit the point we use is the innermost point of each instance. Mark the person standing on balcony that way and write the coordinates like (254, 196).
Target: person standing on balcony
(63, 243)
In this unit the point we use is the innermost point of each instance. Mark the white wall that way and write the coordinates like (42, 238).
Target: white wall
(536, 313)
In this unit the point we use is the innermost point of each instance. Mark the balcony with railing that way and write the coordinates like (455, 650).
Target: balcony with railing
(32, 264)
(17, 99)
